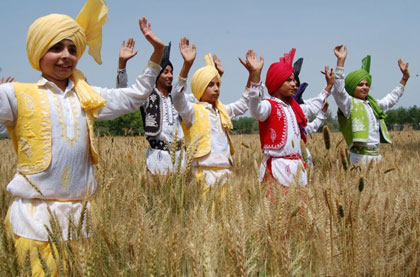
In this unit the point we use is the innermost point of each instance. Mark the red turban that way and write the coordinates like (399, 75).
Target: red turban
(278, 72)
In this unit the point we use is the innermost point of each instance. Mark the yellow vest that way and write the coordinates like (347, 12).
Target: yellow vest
(31, 135)
(200, 132)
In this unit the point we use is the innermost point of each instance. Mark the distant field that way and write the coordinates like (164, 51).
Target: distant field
(346, 222)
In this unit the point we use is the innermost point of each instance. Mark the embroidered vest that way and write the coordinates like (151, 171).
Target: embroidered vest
(32, 136)
(200, 132)
(273, 131)
(152, 115)
(356, 127)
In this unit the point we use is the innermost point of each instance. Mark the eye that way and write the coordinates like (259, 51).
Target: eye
(56, 48)
(73, 50)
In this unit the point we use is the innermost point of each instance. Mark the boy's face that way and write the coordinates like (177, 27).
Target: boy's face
(211, 94)
(165, 79)
(362, 90)
(288, 88)
(59, 62)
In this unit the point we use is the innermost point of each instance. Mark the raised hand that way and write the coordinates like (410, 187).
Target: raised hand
(9, 79)
(340, 52)
(404, 69)
(146, 29)
(253, 65)
(251, 62)
(329, 77)
(218, 65)
(188, 52)
(126, 52)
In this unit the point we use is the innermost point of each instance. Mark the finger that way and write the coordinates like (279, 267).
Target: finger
(242, 61)
(323, 72)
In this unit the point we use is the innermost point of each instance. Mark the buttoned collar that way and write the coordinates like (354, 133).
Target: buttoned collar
(43, 82)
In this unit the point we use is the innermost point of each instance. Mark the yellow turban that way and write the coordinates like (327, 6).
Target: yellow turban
(49, 30)
(201, 79)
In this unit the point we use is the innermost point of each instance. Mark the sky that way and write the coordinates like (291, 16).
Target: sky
(387, 30)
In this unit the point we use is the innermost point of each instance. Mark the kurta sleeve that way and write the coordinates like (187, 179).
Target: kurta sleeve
(391, 98)
(181, 102)
(341, 97)
(313, 106)
(127, 100)
(259, 109)
(314, 125)
(8, 104)
(238, 107)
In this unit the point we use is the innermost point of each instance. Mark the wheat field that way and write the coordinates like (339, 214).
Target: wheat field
(348, 221)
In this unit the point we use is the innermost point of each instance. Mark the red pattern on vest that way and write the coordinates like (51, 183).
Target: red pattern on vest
(273, 131)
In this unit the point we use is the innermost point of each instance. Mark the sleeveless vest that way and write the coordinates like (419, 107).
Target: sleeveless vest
(200, 132)
(356, 127)
(273, 131)
(32, 136)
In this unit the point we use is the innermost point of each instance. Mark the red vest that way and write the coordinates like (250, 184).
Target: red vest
(273, 131)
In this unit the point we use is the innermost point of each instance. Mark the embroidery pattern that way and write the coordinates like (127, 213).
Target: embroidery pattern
(63, 124)
(65, 177)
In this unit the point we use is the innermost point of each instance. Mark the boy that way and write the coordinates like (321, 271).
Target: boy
(361, 116)
(282, 121)
(51, 124)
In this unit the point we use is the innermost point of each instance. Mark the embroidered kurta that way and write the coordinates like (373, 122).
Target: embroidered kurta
(284, 170)
(344, 102)
(219, 156)
(159, 161)
(70, 177)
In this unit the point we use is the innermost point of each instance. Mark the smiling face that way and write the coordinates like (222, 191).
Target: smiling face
(287, 89)
(58, 64)
(362, 90)
(212, 92)
(164, 82)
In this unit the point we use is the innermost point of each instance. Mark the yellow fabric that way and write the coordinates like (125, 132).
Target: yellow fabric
(31, 135)
(199, 82)
(48, 30)
(24, 245)
(200, 132)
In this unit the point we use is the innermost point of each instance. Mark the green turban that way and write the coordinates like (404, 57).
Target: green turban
(355, 77)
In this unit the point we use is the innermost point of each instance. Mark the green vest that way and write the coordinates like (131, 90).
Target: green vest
(356, 127)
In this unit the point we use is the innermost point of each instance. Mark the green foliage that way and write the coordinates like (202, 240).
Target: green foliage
(126, 125)
(245, 125)
(403, 116)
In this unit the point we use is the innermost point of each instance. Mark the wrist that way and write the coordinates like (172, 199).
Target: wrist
(122, 64)
(328, 88)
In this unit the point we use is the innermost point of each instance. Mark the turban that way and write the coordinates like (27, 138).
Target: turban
(49, 30)
(355, 77)
(278, 72)
(297, 66)
(201, 79)
(203, 76)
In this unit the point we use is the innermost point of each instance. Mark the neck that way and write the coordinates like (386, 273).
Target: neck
(62, 84)
(164, 91)
(285, 99)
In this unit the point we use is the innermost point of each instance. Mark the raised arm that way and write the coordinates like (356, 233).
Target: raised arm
(341, 97)
(181, 103)
(314, 125)
(392, 98)
(126, 53)
(158, 45)
(314, 105)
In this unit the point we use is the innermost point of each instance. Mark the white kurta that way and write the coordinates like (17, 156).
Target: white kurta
(345, 104)
(219, 156)
(284, 170)
(70, 176)
(159, 161)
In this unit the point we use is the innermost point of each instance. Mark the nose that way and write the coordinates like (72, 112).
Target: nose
(65, 53)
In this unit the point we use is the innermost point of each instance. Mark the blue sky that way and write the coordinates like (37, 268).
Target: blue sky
(387, 30)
